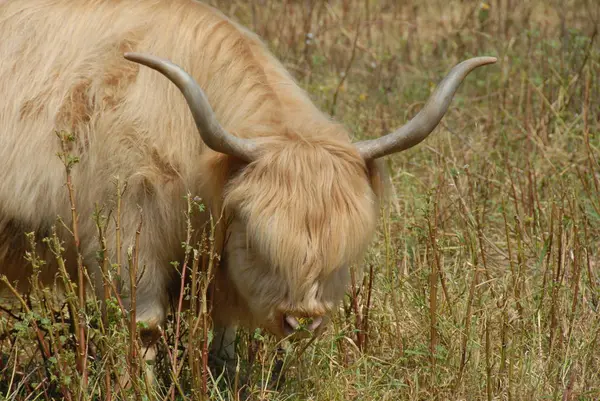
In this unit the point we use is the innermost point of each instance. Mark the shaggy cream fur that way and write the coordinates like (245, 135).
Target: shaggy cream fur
(299, 214)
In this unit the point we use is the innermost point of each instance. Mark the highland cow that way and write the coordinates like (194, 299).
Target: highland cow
(297, 201)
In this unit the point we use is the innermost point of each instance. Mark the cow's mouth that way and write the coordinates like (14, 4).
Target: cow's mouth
(292, 324)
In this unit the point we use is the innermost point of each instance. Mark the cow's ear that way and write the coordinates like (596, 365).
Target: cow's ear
(378, 178)
(221, 168)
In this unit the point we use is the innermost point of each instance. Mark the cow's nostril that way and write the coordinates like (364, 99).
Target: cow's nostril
(290, 324)
(315, 323)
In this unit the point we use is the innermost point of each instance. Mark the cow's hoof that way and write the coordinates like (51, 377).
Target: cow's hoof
(223, 368)
(277, 376)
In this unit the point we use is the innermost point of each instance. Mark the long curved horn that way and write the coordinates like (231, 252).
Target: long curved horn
(212, 133)
(427, 119)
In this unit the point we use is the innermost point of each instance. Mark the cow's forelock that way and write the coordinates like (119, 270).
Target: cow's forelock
(304, 212)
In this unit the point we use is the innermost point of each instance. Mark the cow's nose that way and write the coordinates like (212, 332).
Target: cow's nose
(291, 324)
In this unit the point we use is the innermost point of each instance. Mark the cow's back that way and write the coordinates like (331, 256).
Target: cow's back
(62, 69)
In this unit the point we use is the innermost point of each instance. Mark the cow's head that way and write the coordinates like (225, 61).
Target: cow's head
(303, 210)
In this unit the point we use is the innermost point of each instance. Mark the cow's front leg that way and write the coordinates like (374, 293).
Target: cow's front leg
(150, 312)
(222, 351)
(149, 337)
(151, 302)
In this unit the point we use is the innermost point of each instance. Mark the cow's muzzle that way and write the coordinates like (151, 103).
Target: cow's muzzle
(293, 325)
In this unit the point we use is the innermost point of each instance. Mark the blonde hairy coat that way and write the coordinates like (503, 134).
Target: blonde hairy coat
(298, 215)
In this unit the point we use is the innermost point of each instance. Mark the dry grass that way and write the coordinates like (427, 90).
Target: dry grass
(484, 280)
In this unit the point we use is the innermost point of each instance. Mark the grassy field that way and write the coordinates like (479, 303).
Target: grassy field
(484, 279)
